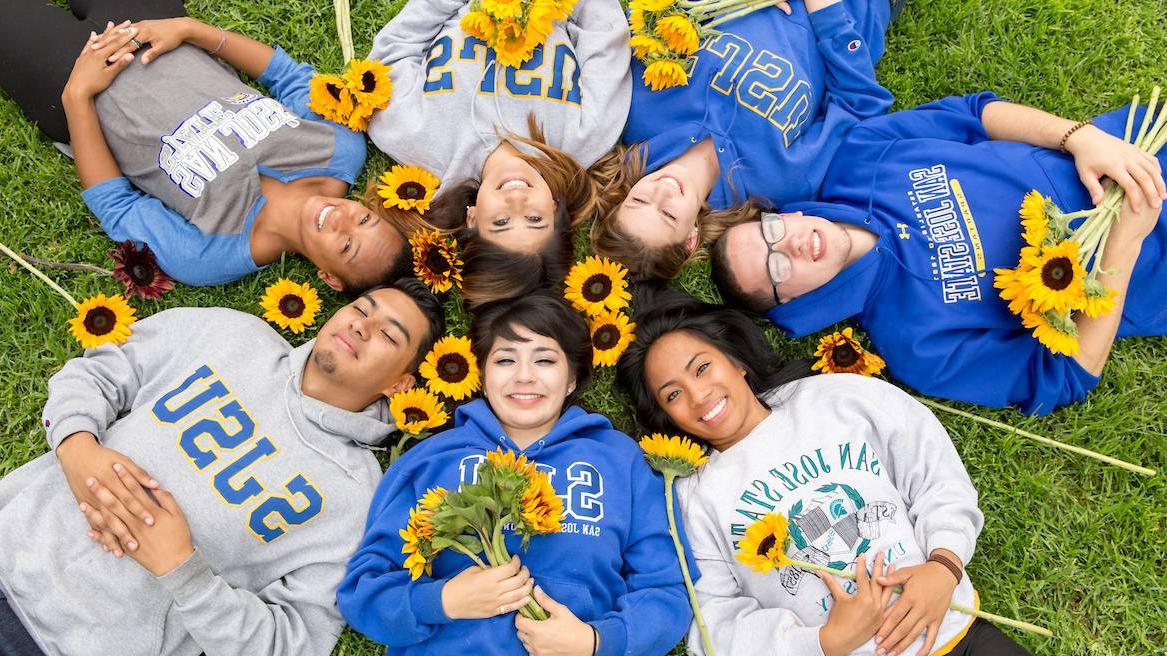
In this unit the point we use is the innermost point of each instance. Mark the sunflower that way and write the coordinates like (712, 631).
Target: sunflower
(1053, 277)
(511, 47)
(597, 284)
(139, 272)
(644, 45)
(1012, 286)
(433, 498)
(665, 73)
(509, 461)
(611, 333)
(764, 546)
(358, 120)
(841, 353)
(503, 9)
(1099, 298)
(369, 82)
(450, 368)
(680, 33)
(1057, 332)
(330, 97)
(478, 24)
(1033, 221)
(541, 509)
(651, 6)
(672, 454)
(102, 319)
(541, 19)
(436, 261)
(290, 305)
(636, 20)
(408, 188)
(416, 410)
(417, 544)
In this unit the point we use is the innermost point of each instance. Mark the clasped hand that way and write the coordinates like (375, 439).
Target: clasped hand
(1098, 155)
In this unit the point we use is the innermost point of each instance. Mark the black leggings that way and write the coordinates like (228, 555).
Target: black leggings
(14, 638)
(40, 41)
(984, 639)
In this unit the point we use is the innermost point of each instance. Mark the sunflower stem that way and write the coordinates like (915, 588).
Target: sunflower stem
(344, 29)
(1038, 438)
(36, 272)
(1017, 624)
(725, 18)
(1152, 118)
(706, 643)
(67, 266)
(465, 551)
(1130, 119)
(1147, 116)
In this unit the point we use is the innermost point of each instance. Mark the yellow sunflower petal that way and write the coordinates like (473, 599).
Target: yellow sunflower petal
(665, 74)
(501, 9)
(672, 454)
(1054, 278)
(415, 410)
(450, 368)
(596, 285)
(330, 97)
(764, 544)
(680, 33)
(611, 333)
(102, 320)
(478, 24)
(651, 6)
(644, 45)
(291, 306)
(841, 353)
(369, 82)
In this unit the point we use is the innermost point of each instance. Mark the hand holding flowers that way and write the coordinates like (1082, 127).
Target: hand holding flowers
(481, 592)
(1098, 155)
(561, 634)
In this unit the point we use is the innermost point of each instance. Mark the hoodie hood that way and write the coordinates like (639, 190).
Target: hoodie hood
(843, 296)
(369, 427)
(478, 419)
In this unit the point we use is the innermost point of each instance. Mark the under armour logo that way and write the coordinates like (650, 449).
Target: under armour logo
(903, 228)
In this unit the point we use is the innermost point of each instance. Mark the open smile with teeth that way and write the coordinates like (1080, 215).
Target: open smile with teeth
(816, 245)
(514, 183)
(324, 212)
(672, 182)
(716, 410)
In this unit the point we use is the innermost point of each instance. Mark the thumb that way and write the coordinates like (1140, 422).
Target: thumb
(899, 577)
(548, 604)
(1092, 186)
(785, 7)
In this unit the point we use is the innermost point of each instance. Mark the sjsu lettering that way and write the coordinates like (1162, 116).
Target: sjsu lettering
(525, 81)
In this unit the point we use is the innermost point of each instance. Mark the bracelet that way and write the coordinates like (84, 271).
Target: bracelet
(595, 641)
(1077, 126)
(223, 39)
(948, 564)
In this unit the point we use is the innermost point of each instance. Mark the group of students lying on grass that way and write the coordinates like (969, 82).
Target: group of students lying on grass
(231, 468)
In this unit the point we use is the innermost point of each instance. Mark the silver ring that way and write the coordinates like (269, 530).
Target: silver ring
(502, 610)
(137, 43)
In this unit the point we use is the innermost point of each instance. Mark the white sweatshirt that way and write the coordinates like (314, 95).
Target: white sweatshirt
(858, 467)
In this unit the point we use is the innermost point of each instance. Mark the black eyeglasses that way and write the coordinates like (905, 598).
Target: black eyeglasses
(777, 264)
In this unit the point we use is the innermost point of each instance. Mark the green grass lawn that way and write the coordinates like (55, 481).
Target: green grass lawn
(1068, 543)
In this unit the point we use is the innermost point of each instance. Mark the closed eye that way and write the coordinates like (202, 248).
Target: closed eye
(359, 309)
(504, 361)
(348, 244)
(389, 337)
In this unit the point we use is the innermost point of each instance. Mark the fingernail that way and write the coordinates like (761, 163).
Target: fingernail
(132, 545)
(105, 548)
(84, 507)
(118, 467)
(90, 481)
(152, 481)
(118, 553)
(149, 520)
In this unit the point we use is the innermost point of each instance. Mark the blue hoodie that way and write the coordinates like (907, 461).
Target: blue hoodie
(613, 565)
(775, 93)
(943, 199)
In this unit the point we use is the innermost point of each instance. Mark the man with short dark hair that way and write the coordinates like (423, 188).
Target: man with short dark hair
(230, 466)
(919, 208)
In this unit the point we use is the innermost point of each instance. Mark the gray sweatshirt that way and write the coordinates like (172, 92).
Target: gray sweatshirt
(858, 467)
(451, 102)
(273, 484)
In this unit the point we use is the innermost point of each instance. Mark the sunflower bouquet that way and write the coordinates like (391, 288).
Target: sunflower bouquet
(510, 493)
(514, 28)
(1058, 268)
(351, 97)
(766, 545)
(666, 33)
(598, 287)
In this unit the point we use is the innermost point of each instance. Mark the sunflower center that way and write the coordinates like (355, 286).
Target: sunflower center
(333, 90)
(844, 355)
(597, 287)
(100, 321)
(766, 545)
(368, 81)
(291, 306)
(141, 273)
(606, 337)
(415, 414)
(453, 368)
(1058, 273)
(411, 190)
(436, 262)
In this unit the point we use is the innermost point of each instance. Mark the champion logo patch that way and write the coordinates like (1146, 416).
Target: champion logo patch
(854, 45)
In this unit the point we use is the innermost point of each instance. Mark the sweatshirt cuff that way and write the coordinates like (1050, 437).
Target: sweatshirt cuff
(280, 64)
(829, 22)
(953, 541)
(56, 430)
(426, 600)
(188, 579)
(613, 637)
(804, 641)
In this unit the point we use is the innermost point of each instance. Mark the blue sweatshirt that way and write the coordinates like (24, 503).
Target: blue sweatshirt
(943, 199)
(192, 141)
(775, 93)
(613, 565)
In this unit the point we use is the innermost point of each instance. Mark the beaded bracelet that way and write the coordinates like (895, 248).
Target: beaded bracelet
(1077, 126)
(223, 39)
